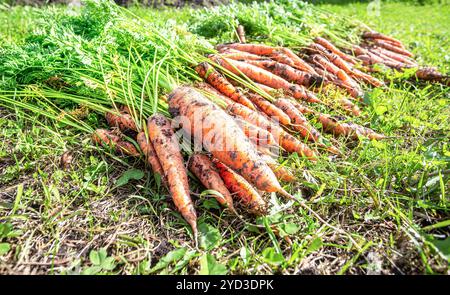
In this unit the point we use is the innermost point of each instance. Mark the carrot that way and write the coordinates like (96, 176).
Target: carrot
(266, 89)
(150, 155)
(267, 78)
(395, 56)
(207, 72)
(282, 173)
(298, 62)
(374, 58)
(376, 35)
(299, 122)
(287, 72)
(283, 139)
(168, 152)
(108, 138)
(352, 130)
(257, 135)
(328, 45)
(239, 55)
(334, 58)
(222, 137)
(350, 107)
(241, 34)
(258, 49)
(123, 121)
(202, 167)
(240, 188)
(325, 75)
(269, 109)
(431, 74)
(391, 47)
(213, 91)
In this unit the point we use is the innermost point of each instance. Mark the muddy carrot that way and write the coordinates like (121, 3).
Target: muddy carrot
(222, 137)
(376, 35)
(203, 168)
(328, 45)
(219, 82)
(267, 78)
(108, 138)
(122, 120)
(391, 47)
(257, 135)
(150, 155)
(241, 189)
(168, 152)
(269, 109)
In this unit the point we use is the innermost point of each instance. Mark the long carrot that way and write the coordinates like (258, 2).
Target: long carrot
(239, 55)
(391, 47)
(206, 172)
(241, 189)
(168, 152)
(269, 109)
(258, 49)
(207, 72)
(377, 35)
(257, 135)
(222, 137)
(287, 72)
(396, 56)
(267, 78)
(298, 62)
(108, 138)
(328, 45)
(150, 155)
(352, 130)
(284, 139)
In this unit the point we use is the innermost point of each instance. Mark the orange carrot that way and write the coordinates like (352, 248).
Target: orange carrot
(222, 137)
(352, 130)
(239, 55)
(257, 135)
(391, 47)
(219, 82)
(267, 78)
(376, 35)
(258, 49)
(123, 121)
(287, 72)
(284, 139)
(168, 152)
(269, 109)
(328, 45)
(282, 173)
(150, 155)
(299, 122)
(432, 74)
(108, 138)
(395, 56)
(241, 189)
(206, 172)
(298, 62)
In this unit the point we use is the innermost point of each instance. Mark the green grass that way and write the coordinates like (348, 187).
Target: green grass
(390, 199)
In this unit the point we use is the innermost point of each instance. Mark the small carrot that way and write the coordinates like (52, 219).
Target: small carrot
(241, 33)
(108, 138)
(258, 49)
(267, 78)
(352, 130)
(269, 109)
(282, 173)
(207, 72)
(122, 120)
(168, 152)
(432, 74)
(206, 172)
(239, 187)
(150, 155)
(328, 45)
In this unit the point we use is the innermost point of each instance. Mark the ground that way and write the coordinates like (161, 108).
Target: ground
(101, 214)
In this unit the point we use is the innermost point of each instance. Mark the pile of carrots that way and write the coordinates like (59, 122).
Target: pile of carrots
(238, 128)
